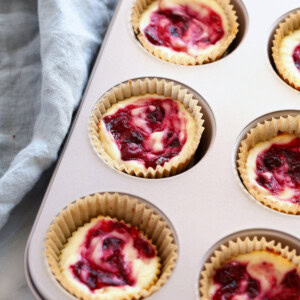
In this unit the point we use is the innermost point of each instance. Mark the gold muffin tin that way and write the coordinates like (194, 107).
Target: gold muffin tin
(207, 202)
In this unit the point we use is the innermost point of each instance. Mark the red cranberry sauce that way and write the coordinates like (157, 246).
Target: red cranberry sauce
(102, 259)
(182, 28)
(282, 161)
(296, 56)
(133, 125)
(233, 279)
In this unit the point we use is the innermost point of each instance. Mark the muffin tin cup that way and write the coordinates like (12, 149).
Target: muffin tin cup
(290, 23)
(265, 131)
(123, 208)
(140, 6)
(141, 87)
(233, 248)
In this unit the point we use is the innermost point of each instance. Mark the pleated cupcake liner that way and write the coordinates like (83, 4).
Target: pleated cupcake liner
(233, 248)
(123, 208)
(265, 131)
(143, 87)
(290, 24)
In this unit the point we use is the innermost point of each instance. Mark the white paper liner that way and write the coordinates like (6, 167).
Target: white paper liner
(123, 208)
(290, 24)
(141, 5)
(262, 132)
(233, 248)
(141, 87)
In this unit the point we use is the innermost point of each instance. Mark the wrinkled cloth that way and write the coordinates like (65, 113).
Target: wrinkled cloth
(47, 48)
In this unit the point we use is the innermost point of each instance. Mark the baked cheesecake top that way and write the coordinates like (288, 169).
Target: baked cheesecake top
(273, 168)
(184, 26)
(107, 258)
(289, 53)
(259, 275)
(147, 131)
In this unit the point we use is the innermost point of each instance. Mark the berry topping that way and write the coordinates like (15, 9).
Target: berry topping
(289, 288)
(278, 168)
(183, 27)
(103, 260)
(292, 281)
(151, 131)
(296, 56)
(144, 248)
(234, 280)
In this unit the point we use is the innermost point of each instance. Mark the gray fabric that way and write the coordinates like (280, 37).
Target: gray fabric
(46, 50)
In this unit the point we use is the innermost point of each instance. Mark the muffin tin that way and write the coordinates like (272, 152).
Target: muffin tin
(206, 203)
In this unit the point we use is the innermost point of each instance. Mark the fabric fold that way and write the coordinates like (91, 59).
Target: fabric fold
(47, 49)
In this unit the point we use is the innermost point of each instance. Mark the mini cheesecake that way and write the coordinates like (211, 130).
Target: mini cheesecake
(290, 52)
(147, 131)
(186, 29)
(257, 275)
(286, 49)
(107, 259)
(273, 169)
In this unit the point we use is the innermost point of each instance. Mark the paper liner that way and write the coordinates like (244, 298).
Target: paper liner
(123, 208)
(140, 6)
(233, 248)
(141, 87)
(290, 24)
(262, 132)
(132, 295)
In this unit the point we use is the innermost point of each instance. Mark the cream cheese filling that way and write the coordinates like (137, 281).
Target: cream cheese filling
(195, 5)
(287, 47)
(154, 142)
(266, 267)
(144, 270)
(284, 195)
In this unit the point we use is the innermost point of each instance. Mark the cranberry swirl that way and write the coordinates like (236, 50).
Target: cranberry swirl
(182, 27)
(103, 262)
(151, 131)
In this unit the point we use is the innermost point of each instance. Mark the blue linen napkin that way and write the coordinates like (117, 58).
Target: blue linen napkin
(46, 51)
